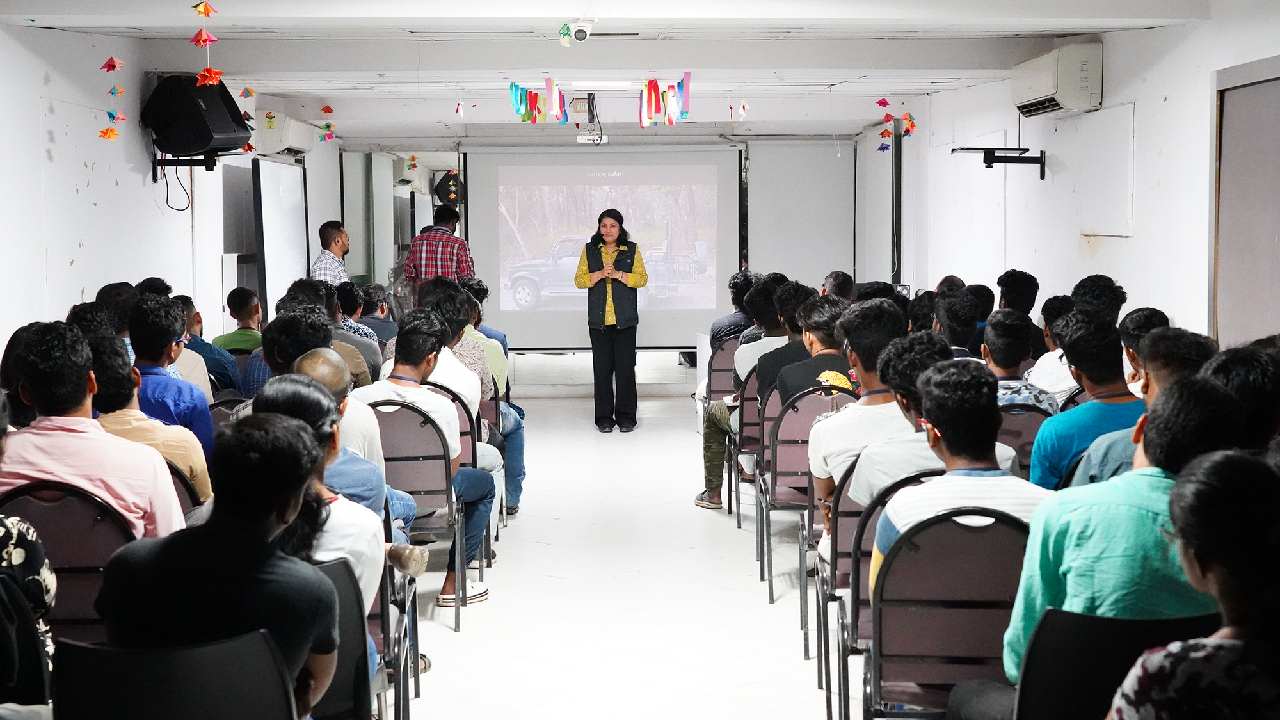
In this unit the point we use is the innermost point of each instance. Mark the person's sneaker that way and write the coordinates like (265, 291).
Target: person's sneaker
(476, 592)
(512, 510)
(706, 500)
(604, 428)
(408, 559)
(627, 428)
(475, 564)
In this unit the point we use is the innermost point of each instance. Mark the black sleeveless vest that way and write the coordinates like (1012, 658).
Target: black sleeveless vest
(624, 298)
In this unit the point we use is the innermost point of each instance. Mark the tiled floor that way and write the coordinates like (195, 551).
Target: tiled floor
(569, 375)
(614, 597)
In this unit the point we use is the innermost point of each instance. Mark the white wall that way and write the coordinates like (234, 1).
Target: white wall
(383, 211)
(800, 200)
(324, 191)
(874, 209)
(355, 213)
(976, 222)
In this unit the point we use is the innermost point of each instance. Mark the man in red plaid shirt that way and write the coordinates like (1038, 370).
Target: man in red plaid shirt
(438, 251)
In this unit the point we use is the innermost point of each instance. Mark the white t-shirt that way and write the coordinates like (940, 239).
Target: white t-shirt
(451, 373)
(837, 439)
(354, 533)
(746, 356)
(359, 432)
(885, 463)
(912, 505)
(1050, 374)
(437, 406)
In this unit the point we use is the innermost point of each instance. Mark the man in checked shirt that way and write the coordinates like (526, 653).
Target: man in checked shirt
(438, 251)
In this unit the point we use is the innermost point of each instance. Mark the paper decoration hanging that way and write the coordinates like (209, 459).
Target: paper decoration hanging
(450, 190)
(742, 111)
(884, 147)
(533, 107)
(116, 91)
(203, 9)
(247, 117)
(208, 76)
(565, 35)
(203, 38)
(667, 105)
(457, 109)
(112, 64)
(247, 92)
(888, 118)
(886, 133)
(883, 102)
(109, 133)
(327, 110)
(116, 117)
(270, 117)
(248, 148)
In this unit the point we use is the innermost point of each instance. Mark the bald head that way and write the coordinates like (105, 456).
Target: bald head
(326, 367)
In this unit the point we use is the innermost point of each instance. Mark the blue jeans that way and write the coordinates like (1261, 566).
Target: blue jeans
(513, 455)
(474, 490)
(404, 509)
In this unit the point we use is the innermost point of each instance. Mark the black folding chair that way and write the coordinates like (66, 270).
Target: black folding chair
(1019, 425)
(188, 496)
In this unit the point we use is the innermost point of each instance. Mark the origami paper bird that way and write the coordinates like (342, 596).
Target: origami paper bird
(883, 147)
(886, 133)
(109, 133)
(112, 64)
(888, 118)
(203, 9)
(327, 110)
(883, 102)
(907, 117)
(203, 38)
(247, 92)
(116, 90)
(248, 147)
(906, 133)
(208, 76)
(116, 117)
(247, 117)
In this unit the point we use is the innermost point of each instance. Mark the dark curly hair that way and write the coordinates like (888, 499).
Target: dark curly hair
(958, 397)
(905, 359)
(740, 283)
(1191, 417)
(1018, 290)
(1099, 295)
(1253, 378)
(958, 315)
(867, 328)
(53, 368)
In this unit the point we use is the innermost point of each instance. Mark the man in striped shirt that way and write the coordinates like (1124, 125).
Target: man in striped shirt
(438, 251)
(330, 265)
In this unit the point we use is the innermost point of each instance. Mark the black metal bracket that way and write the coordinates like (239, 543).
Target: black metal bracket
(1006, 156)
(208, 162)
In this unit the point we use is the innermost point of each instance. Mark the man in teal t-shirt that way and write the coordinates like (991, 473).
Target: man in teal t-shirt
(1093, 351)
(1101, 549)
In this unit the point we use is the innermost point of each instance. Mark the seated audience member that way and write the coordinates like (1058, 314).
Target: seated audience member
(94, 320)
(1018, 291)
(986, 300)
(961, 421)
(1005, 346)
(956, 320)
(495, 357)
(736, 322)
(920, 312)
(762, 307)
(293, 334)
(187, 366)
(883, 463)
(154, 286)
(1133, 327)
(875, 289)
(827, 363)
(369, 350)
(375, 314)
(117, 405)
(261, 364)
(221, 366)
(772, 281)
(421, 337)
(1100, 296)
(1253, 377)
(158, 333)
(787, 302)
(1222, 509)
(477, 289)
(1092, 348)
(948, 284)
(65, 444)
(245, 309)
(1050, 372)
(228, 576)
(350, 307)
(1165, 356)
(119, 299)
(23, 560)
(350, 473)
(1101, 550)
(838, 283)
(835, 441)
(21, 414)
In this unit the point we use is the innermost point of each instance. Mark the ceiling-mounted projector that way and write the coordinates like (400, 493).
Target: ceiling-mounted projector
(589, 137)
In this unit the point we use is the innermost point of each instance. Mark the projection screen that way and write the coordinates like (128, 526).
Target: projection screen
(531, 212)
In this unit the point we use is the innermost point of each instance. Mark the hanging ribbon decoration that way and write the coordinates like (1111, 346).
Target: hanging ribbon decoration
(533, 106)
(909, 126)
(668, 106)
(115, 117)
(205, 39)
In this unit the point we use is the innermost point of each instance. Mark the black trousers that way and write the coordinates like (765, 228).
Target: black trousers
(613, 357)
(982, 700)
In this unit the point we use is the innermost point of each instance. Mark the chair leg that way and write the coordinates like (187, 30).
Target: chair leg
(460, 582)
(413, 640)
(730, 482)
(760, 517)
(804, 582)
(768, 549)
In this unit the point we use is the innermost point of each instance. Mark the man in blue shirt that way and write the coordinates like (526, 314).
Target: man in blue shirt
(158, 332)
(222, 367)
(1091, 345)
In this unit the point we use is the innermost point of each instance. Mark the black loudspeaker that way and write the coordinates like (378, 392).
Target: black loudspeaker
(187, 119)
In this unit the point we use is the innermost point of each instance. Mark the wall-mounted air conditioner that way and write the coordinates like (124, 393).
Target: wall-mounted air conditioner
(1068, 79)
(279, 134)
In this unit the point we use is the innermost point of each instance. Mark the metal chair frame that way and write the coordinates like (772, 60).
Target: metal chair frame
(1024, 462)
(470, 436)
(737, 441)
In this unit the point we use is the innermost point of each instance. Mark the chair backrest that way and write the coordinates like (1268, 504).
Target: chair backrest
(1077, 397)
(80, 532)
(242, 677)
(416, 454)
(844, 523)
(188, 497)
(1019, 424)
(789, 435)
(1070, 474)
(350, 694)
(720, 369)
(943, 599)
(1074, 663)
(749, 432)
(490, 411)
(467, 434)
(221, 410)
(24, 666)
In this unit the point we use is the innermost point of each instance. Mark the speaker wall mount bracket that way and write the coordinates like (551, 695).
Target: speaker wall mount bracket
(992, 156)
(208, 162)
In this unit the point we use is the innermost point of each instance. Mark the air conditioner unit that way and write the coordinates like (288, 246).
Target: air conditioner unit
(412, 175)
(1068, 79)
(279, 134)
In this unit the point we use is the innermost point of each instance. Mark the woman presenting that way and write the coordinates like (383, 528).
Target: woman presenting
(611, 270)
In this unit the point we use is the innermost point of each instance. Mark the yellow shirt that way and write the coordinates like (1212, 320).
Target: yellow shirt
(175, 443)
(636, 279)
